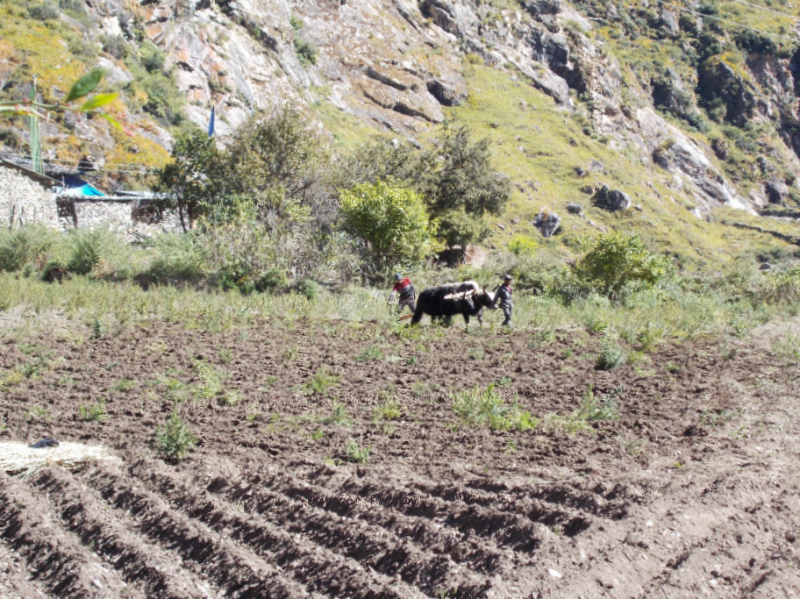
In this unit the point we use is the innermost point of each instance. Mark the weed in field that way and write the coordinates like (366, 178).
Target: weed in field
(650, 336)
(567, 354)
(371, 353)
(14, 377)
(487, 408)
(389, 410)
(672, 367)
(175, 439)
(412, 360)
(726, 351)
(787, 347)
(339, 416)
(356, 454)
(95, 413)
(252, 415)
(230, 398)
(320, 382)
(317, 435)
(510, 447)
(633, 446)
(122, 386)
(225, 355)
(212, 380)
(612, 354)
(98, 328)
(39, 413)
(476, 353)
(503, 382)
(541, 338)
(595, 409)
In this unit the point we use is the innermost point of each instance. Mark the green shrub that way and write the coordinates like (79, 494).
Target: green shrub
(151, 58)
(373, 352)
(9, 137)
(24, 247)
(487, 408)
(99, 250)
(175, 258)
(618, 260)
(392, 224)
(175, 439)
(522, 245)
(306, 52)
(356, 454)
(310, 288)
(44, 12)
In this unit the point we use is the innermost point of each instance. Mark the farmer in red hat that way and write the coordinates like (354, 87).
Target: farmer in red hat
(403, 286)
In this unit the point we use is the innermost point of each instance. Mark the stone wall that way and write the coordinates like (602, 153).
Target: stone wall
(135, 219)
(24, 201)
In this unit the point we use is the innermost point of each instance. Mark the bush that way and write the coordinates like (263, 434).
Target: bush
(522, 245)
(44, 12)
(392, 224)
(618, 260)
(306, 52)
(310, 288)
(175, 258)
(175, 439)
(151, 58)
(100, 252)
(24, 247)
(9, 137)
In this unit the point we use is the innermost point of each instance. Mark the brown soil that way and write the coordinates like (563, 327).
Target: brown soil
(693, 491)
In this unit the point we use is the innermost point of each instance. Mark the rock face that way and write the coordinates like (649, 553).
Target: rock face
(547, 223)
(776, 191)
(399, 64)
(612, 199)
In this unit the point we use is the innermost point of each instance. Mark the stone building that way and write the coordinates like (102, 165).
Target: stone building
(27, 197)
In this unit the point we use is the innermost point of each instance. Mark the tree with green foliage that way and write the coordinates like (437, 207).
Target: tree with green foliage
(619, 259)
(391, 223)
(194, 177)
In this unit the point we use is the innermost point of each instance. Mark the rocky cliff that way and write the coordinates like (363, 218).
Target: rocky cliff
(671, 104)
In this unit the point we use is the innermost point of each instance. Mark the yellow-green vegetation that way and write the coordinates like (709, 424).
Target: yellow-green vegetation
(535, 141)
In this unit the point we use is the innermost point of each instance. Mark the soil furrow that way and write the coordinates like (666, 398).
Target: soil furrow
(233, 569)
(54, 557)
(572, 522)
(481, 556)
(282, 540)
(376, 547)
(14, 578)
(506, 529)
(140, 563)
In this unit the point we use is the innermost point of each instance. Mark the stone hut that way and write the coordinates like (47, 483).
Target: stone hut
(26, 197)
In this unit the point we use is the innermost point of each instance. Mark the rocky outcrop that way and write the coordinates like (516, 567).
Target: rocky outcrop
(547, 223)
(611, 199)
(776, 191)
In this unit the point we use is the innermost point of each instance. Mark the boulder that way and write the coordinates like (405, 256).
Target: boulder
(669, 23)
(612, 199)
(574, 208)
(547, 223)
(776, 190)
(448, 92)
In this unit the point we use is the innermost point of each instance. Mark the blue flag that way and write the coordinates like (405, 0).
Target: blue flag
(211, 123)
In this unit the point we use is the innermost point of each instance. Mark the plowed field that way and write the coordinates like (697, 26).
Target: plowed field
(685, 486)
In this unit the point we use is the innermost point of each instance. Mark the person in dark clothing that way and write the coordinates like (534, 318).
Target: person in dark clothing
(502, 296)
(403, 286)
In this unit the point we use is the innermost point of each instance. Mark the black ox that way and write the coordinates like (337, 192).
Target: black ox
(445, 301)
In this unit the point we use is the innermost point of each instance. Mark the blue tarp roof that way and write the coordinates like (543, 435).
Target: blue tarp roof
(77, 186)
